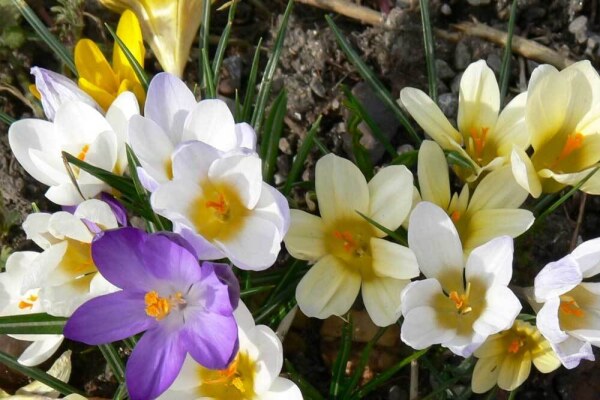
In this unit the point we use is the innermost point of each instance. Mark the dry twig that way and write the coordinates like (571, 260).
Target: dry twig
(351, 10)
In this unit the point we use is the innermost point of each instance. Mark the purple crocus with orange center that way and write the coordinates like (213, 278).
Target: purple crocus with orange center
(182, 307)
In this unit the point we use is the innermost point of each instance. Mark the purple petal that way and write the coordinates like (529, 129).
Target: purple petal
(168, 260)
(109, 318)
(180, 240)
(211, 339)
(226, 276)
(154, 364)
(69, 209)
(116, 207)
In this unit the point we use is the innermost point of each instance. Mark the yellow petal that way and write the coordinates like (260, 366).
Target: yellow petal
(585, 91)
(546, 361)
(434, 180)
(485, 225)
(514, 371)
(524, 172)
(511, 128)
(135, 87)
(305, 237)
(102, 97)
(485, 374)
(130, 33)
(498, 189)
(591, 186)
(93, 67)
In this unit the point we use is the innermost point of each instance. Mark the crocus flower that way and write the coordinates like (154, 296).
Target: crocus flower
(105, 82)
(253, 373)
(484, 137)
(183, 308)
(14, 301)
(570, 314)
(563, 116)
(82, 131)
(350, 253)
(169, 26)
(459, 304)
(222, 207)
(491, 211)
(65, 272)
(505, 358)
(54, 89)
(172, 116)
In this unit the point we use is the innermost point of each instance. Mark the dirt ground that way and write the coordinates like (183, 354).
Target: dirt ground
(313, 70)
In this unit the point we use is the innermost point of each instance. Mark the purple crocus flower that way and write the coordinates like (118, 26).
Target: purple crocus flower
(183, 307)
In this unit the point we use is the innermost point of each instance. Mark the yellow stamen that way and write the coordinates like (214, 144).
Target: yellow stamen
(29, 303)
(574, 141)
(35, 92)
(83, 152)
(461, 301)
(239, 385)
(455, 216)
(157, 307)
(515, 346)
(479, 140)
(571, 307)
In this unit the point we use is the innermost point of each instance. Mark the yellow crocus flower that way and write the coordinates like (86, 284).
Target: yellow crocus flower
(506, 357)
(105, 82)
(169, 27)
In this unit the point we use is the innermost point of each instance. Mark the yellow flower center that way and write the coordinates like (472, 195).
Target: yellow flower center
(83, 152)
(77, 263)
(477, 141)
(515, 345)
(28, 302)
(219, 212)
(349, 241)
(574, 141)
(570, 307)
(169, 168)
(461, 301)
(236, 382)
(159, 307)
(455, 216)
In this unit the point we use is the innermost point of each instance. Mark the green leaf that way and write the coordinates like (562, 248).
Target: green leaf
(250, 87)
(209, 81)
(362, 362)
(137, 68)
(223, 41)
(121, 392)
(51, 41)
(271, 134)
(7, 119)
(455, 158)
(341, 361)
(505, 67)
(309, 392)
(254, 290)
(324, 151)
(429, 50)
(122, 184)
(114, 361)
(298, 164)
(203, 41)
(285, 281)
(394, 235)
(361, 155)
(38, 375)
(265, 86)
(372, 80)
(32, 324)
(408, 158)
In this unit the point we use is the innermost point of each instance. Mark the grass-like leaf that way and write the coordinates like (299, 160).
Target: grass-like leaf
(372, 80)
(203, 41)
(122, 184)
(114, 361)
(137, 68)
(210, 89)
(223, 41)
(250, 87)
(408, 158)
(290, 273)
(121, 392)
(455, 158)
(32, 324)
(254, 290)
(51, 41)
(394, 235)
(341, 361)
(308, 390)
(322, 148)
(429, 50)
(298, 164)
(271, 134)
(7, 119)
(505, 67)
(265, 86)
(362, 362)
(361, 155)
(38, 374)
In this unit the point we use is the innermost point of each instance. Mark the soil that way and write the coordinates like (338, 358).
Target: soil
(313, 70)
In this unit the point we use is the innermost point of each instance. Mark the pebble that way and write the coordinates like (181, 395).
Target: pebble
(455, 85)
(579, 28)
(494, 62)
(448, 103)
(444, 71)
(462, 56)
(446, 9)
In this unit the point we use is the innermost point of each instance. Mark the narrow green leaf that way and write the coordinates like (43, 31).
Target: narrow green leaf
(203, 42)
(32, 324)
(387, 374)
(455, 158)
(361, 155)
(394, 235)
(137, 68)
(271, 134)
(429, 50)
(223, 41)
(309, 392)
(121, 392)
(544, 201)
(114, 361)
(51, 41)
(250, 87)
(298, 164)
(408, 158)
(372, 80)
(211, 91)
(362, 362)
(526, 317)
(505, 67)
(38, 375)
(265, 86)
(7, 119)
(339, 365)
(285, 281)
(324, 151)
(254, 290)
(442, 388)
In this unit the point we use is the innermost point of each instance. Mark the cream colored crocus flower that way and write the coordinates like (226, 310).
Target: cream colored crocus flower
(491, 210)
(484, 136)
(169, 26)
(563, 116)
(349, 253)
(506, 357)
(105, 82)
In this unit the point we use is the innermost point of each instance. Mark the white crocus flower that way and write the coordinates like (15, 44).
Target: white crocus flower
(222, 206)
(13, 301)
(570, 314)
(253, 374)
(172, 116)
(459, 305)
(350, 253)
(82, 131)
(485, 136)
(65, 272)
(491, 210)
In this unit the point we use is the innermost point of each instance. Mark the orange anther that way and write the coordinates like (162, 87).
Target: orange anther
(455, 216)
(571, 308)
(459, 301)
(29, 303)
(156, 306)
(220, 206)
(515, 346)
(347, 238)
(479, 140)
(83, 152)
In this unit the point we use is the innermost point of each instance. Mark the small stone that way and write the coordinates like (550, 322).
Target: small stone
(316, 85)
(284, 146)
(592, 44)
(444, 71)
(448, 103)
(494, 62)
(462, 56)
(455, 85)
(579, 28)
(446, 9)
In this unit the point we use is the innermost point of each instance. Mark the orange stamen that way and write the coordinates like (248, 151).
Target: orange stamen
(574, 141)
(83, 152)
(461, 301)
(157, 307)
(479, 140)
(347, 238)
(515, 346)
(458, 300)
(220, 206)
(571, 308)
(455, 216)
(29, 303)
(225, 374)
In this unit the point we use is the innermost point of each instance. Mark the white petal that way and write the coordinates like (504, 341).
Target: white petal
(479, 98)
(305, 239)
(548, 323)
(420, 329)
(246, 136)
(392, 260)
(419, 294)
(192, 160)
(328, 288)
(241, 172)
(97, 212)
(152, 146)
(64, 225)
(36, 229)
(66, 194)
(431, 228)
(243, 317)
(211, 122)
(272, 205)
(174, 200)
(79, 123)
(502, 307)
(434, 181)
(341, 189)
(572, 351)
(381, 297)
(270, 357)
(492, 262)
(584, 82)
(41, 350)
(391, 196)
(557, 278)
(524, 172)
(587, 255)
(102, 153)
(429, 117)
(118, 115)
(282, 389)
